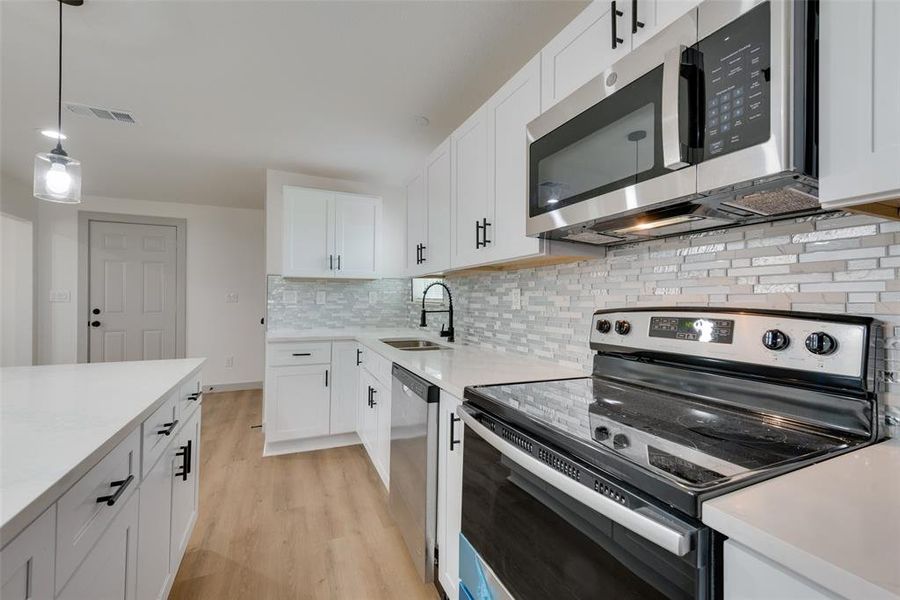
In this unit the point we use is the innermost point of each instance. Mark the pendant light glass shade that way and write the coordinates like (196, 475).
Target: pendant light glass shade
(57, 177)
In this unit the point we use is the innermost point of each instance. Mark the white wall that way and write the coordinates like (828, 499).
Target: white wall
(16, 283)
(225, 253)
(393, 221)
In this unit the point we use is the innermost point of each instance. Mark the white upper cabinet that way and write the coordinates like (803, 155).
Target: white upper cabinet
(647, 17)
(356, 219)
(510, 110)
(472, 220)
(330, 234)
(436, 254)
(308, 233)
(859, 119)
(416, 223)
(584, 48)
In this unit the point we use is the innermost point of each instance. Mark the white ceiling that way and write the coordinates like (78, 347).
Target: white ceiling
(224, 90)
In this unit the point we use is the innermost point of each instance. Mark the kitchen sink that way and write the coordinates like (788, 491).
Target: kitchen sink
(414, 345)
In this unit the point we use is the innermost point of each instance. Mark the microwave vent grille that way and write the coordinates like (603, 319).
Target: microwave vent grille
(775, 201)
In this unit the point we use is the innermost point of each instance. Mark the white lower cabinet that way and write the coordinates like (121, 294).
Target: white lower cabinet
(154, 572)
(450, 450)
(185, 488)
(109, 571)
(345, 364)
(751, 576)
(374, 418)
(299, 400)
(26, 563)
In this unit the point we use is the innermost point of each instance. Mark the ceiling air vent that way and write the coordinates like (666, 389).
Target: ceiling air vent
(107, 114)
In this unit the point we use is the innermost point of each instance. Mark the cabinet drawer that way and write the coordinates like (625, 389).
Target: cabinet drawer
(81, 517)
(295, 354)
(189, 397)
(157, 431)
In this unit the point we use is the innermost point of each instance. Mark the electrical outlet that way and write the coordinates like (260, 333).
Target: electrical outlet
(231, 297)
(229, 362)
(60, 295)
(289, 297)
(320, 297)
(373, 297)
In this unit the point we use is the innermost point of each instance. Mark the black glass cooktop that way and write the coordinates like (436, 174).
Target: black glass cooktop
(696, 443)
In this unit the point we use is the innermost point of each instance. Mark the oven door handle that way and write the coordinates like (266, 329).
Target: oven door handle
(671, 115)
(676, 542)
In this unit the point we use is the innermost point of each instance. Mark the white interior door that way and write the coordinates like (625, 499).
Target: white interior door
(355, 223)
(132, 292)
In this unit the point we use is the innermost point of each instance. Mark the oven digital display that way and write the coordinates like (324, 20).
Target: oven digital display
(694, 329)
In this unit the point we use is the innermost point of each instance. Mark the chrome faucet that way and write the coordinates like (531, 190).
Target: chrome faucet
(447, 333)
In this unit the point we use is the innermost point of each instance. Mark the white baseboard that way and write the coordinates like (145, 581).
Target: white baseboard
(233, 387)
(310, 444)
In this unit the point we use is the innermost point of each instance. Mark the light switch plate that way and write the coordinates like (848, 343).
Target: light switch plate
(229, 362)
(231, 297)
(60, 296)
(320, 297)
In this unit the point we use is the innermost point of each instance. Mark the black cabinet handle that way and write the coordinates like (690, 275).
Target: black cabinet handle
(484, 225)
(422, 252)
(195, 396)
(326, 377)
(301, 354)
(169, 428)
(635, 24)
(95, 323)
(616, 40)
(477, 234)
(370, 396)
(339, 262)
(121, 485)
(185, 453)
(374, 391)
(453, 420)
(358, 355)
(418, 254)
(331, 262)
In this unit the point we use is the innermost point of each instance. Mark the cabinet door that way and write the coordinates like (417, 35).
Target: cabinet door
(437, 193)
(109, 569)
(652, 16)
(300, 403)
(185, 489)
(26, 563)
(416, 222)
(155, 519)
(356, 224)
(344, 388)
(509, 111)
(308, 230)
(470, 198)
(450, 436)
(583, 49)
(381, 401)
(750, 576)
(860, 93)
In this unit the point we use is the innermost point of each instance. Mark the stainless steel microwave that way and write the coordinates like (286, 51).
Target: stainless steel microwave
(710, 123)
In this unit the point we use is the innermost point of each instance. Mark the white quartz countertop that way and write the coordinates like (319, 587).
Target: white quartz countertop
(58, 421)
(836, 523)
(452, 369)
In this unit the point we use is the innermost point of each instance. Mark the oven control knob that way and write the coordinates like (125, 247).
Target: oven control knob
(601, 434)
(620, 441)
(775, 339)
(603, 326)
(623, 327)
(821, 343)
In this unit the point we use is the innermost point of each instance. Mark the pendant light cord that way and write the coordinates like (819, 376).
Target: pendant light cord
(59, 94)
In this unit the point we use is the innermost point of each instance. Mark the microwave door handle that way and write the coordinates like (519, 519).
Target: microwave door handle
(671, 116)
(676, 542)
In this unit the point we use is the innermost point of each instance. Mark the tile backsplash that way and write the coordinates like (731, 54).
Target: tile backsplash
(292, 303)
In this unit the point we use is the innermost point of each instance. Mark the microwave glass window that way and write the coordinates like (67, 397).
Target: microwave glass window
(613, 144)
(620, 150)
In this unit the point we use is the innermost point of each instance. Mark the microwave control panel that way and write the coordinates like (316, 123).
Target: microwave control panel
(737, 74)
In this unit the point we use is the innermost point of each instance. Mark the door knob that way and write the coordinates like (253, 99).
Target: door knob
(96, 311)
(95, 323)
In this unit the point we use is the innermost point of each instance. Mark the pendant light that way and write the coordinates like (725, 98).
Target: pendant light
(57, 176)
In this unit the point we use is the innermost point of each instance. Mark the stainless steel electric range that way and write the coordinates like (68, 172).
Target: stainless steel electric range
(590, 487)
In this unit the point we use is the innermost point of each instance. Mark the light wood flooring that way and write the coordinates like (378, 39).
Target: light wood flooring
(311, 525)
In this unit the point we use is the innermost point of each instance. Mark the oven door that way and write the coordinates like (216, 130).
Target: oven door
(532, 531)
(622, 141)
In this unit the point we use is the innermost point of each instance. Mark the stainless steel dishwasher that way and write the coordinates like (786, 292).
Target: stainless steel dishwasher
(413, 489)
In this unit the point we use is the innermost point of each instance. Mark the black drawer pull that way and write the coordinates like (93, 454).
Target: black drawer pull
(168, 428)
(195, 396)
(453, 420)
(111, 499)
(302, 354)
(373, 392)
(635, 24)
(358, 355)
(185, 452)
(616, 40)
